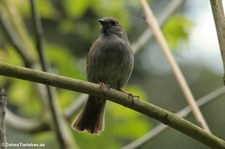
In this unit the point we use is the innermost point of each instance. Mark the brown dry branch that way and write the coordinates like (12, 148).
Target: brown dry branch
(163, 17)
(152, 22)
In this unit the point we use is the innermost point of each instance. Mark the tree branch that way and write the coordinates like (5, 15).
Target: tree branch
(13, 17)
(182, 113)
(40, 125)
(3, 102)
(39, 35)
(24, 124)
(63, 134)
(152, 22)
(218, 15)
(136, 47)
(13, 38)
(139, 105)
(75, 106)
(163, 17)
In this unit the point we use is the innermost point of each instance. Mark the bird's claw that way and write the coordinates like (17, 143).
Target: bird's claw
(130, 95)
(104, 86)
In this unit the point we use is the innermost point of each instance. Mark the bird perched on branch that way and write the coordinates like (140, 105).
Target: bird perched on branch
(110, 63)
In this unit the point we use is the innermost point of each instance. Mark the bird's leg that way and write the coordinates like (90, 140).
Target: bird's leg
(103, 87)
(130, 95)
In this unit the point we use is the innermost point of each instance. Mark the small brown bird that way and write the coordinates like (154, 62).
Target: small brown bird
(110, 61)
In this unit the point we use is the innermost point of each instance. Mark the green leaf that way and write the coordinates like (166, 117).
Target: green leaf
(176, 30)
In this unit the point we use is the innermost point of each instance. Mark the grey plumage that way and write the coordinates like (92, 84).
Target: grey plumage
(110, 61)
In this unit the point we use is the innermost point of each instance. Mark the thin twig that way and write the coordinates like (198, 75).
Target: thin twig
(39, 35)
(152, 22)
(116, 96)
(13, 16)
(3, 102)
(16, 20)
(218, 15)
(182, 113)
(54, 108)
(13, 38)
(163, 17)
(75, 106)
(12, 24)
(147, 137)
(25, 124)
(39, 125)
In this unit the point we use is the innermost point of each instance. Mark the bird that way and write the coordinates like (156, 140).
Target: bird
(110, 62)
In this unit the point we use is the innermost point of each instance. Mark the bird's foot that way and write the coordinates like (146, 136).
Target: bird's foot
(104, 86)
(130, 95)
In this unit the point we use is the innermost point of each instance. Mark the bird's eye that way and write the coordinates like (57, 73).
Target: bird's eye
(112, 22)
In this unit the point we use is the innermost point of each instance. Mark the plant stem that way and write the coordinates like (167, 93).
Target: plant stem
(152, 22)
(116, 96)
(218, 15)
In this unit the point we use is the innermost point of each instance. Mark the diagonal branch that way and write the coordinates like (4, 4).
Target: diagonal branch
(71, 110)
(182, 113)
(163, 17)
(116, 96)
(150, 19)
(39, 35)
(13, 38)
(63, 134)
(218, 14)
(10, 11)
(24, 124)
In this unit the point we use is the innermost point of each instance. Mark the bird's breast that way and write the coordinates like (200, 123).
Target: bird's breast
(112, 61)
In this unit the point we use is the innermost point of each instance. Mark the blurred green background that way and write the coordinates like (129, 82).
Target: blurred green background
(70, 27)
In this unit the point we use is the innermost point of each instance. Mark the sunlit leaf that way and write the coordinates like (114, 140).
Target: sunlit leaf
(176, 30)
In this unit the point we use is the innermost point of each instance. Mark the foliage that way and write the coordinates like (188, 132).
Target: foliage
(69, 29)
(176, 30)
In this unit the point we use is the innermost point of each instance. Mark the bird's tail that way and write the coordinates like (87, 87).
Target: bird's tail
(91, 117)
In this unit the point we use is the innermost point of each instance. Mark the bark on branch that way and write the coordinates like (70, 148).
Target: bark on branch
(116, 96)
(218, 15)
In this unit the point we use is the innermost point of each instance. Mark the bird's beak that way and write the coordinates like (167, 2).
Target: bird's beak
(101, 21)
